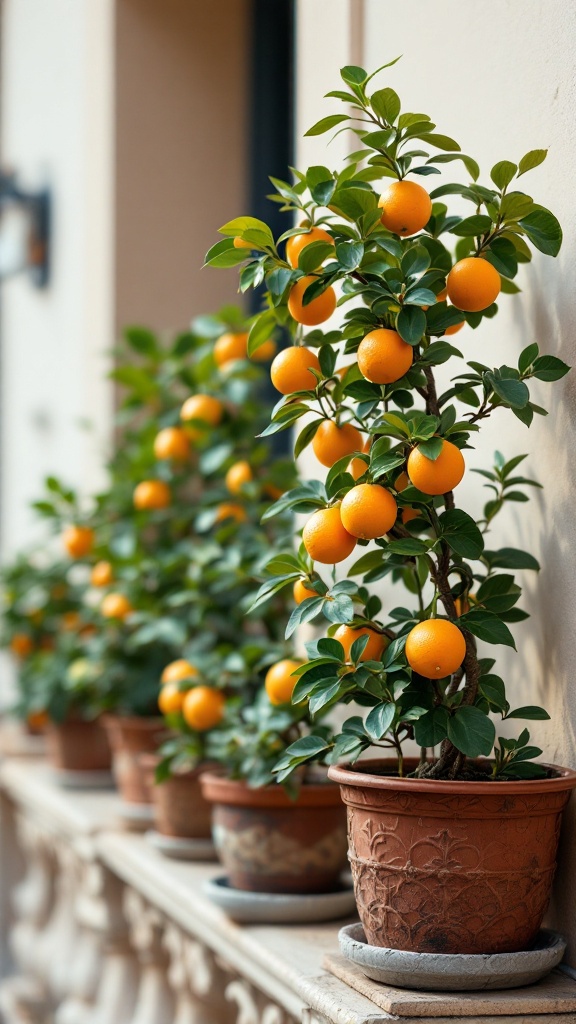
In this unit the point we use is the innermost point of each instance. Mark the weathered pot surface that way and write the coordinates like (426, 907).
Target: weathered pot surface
(77, 745)
(180, 809)
(130, 736)
(451, 866)
(269, 843)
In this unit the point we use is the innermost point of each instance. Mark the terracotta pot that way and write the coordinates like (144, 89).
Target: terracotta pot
(78, 746)
(269, 843)
(130, 736)
(179, 808)
(451, 867)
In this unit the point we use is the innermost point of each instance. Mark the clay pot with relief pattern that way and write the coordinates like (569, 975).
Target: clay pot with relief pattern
(269, 843)
(76, 745)
(451, 866)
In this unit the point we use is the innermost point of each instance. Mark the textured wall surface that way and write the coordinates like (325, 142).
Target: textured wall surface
(500, 77)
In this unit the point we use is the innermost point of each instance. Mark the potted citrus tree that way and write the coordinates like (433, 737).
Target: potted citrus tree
(472, 821)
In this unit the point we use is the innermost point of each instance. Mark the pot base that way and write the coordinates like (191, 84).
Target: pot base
(181, 847)
(136, 817)
(68, 779)
(280, 908)
(453, 972)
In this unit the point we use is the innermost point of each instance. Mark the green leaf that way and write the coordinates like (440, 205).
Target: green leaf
(379, 720)
(511, 558)
(313, 255)
(543, 230)
(386, 104)
(141, 340)
(349, 254)
(492, 689)
(353, 75)
(471, 731)
(431, 728)
(302, 750)
(411, 324)
(442, 142)
(244, 226)
(531, 159)
(513, 392)
(550, 368)
(224, 254)
(407, 546)
(462, 533)
(431, 448)
(479, 224)
(503, 172)
(530, 713)
(527, 357)
(487, 626)
(260, 331)
(470, 164)
(326, 123)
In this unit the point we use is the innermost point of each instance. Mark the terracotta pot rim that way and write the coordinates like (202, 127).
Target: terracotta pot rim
(357, 778)
(221, 790)
(150, 760)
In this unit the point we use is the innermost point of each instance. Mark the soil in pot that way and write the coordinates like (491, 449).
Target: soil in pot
(451, 866)
(129, 737)
(180, 809)
(269, 843)
(77, 745)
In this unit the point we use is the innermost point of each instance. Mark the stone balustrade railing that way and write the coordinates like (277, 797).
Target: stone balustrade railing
(102, 929)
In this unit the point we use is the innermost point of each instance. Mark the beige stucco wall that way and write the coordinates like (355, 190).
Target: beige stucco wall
(499, 77)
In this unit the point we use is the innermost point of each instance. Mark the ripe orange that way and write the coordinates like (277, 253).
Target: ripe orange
(272, 491)
(435, 648)
(152, 494)
(204, 408)
(230, 347)
(230, 510)
(172, 443)
(177, 670)
(408, 514)
(357, 467)
(78, 540)
(325, 538)
(473, 284)
(21, 645)
(302, 592)
(375, 647)
(237, 476)
(116, 606)
(296, 243)
(71, 621)
(170, 699)
(332, 442)
(280, 682)
(368, 511)
(455, 328)
(265, 352)
(37, 721)
(383, 357)
(402, 481)
(406, 208)
(239, 243)
(291, 370)
(101, 575)
(436, 476)
(462, 605)
(315, 312)
(203, 708)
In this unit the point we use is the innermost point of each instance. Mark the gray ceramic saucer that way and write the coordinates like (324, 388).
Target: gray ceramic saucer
(181, 848)
(280, 908)
(452, 972)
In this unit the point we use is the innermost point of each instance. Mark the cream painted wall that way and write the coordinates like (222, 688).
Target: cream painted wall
(504, 82)
(57, 79)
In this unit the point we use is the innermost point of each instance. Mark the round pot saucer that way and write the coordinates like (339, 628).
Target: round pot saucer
(68, 779)
(180, 847)
(452, 972)
(280, 908)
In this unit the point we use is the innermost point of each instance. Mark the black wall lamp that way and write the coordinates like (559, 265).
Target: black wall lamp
(24, 231)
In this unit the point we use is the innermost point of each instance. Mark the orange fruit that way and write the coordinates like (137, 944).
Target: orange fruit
(230, 510)
(455, 328)
(272, 491)
(172, 443)
(325, 538)
(78, 540)
(357, 467)
(435, 648)
(265, 352)
(315, 312)
(230, 347)
(302, 592)
(71, 621)
(237, 476)
(37, 721)
(239, 243)
(436, 476)
(101, 575)
(332, 442)
(296, 243)
(402, 481)
(203, 708)
(473, 284)
(204, 408)
(280, 682)
(408, 514)
(406, 208)
(291, 370)
(368, 511)
(375, 647)
(152, 494)
(462, 605)
(116, 606)
(21, 645)
(170, 699)
(177, 670)
(383, 357)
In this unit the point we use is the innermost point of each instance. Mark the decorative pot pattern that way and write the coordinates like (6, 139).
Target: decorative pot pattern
(77, 745)
(129, 737)
(452, 872)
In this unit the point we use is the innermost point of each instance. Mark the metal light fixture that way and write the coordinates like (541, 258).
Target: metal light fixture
(24, 231)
